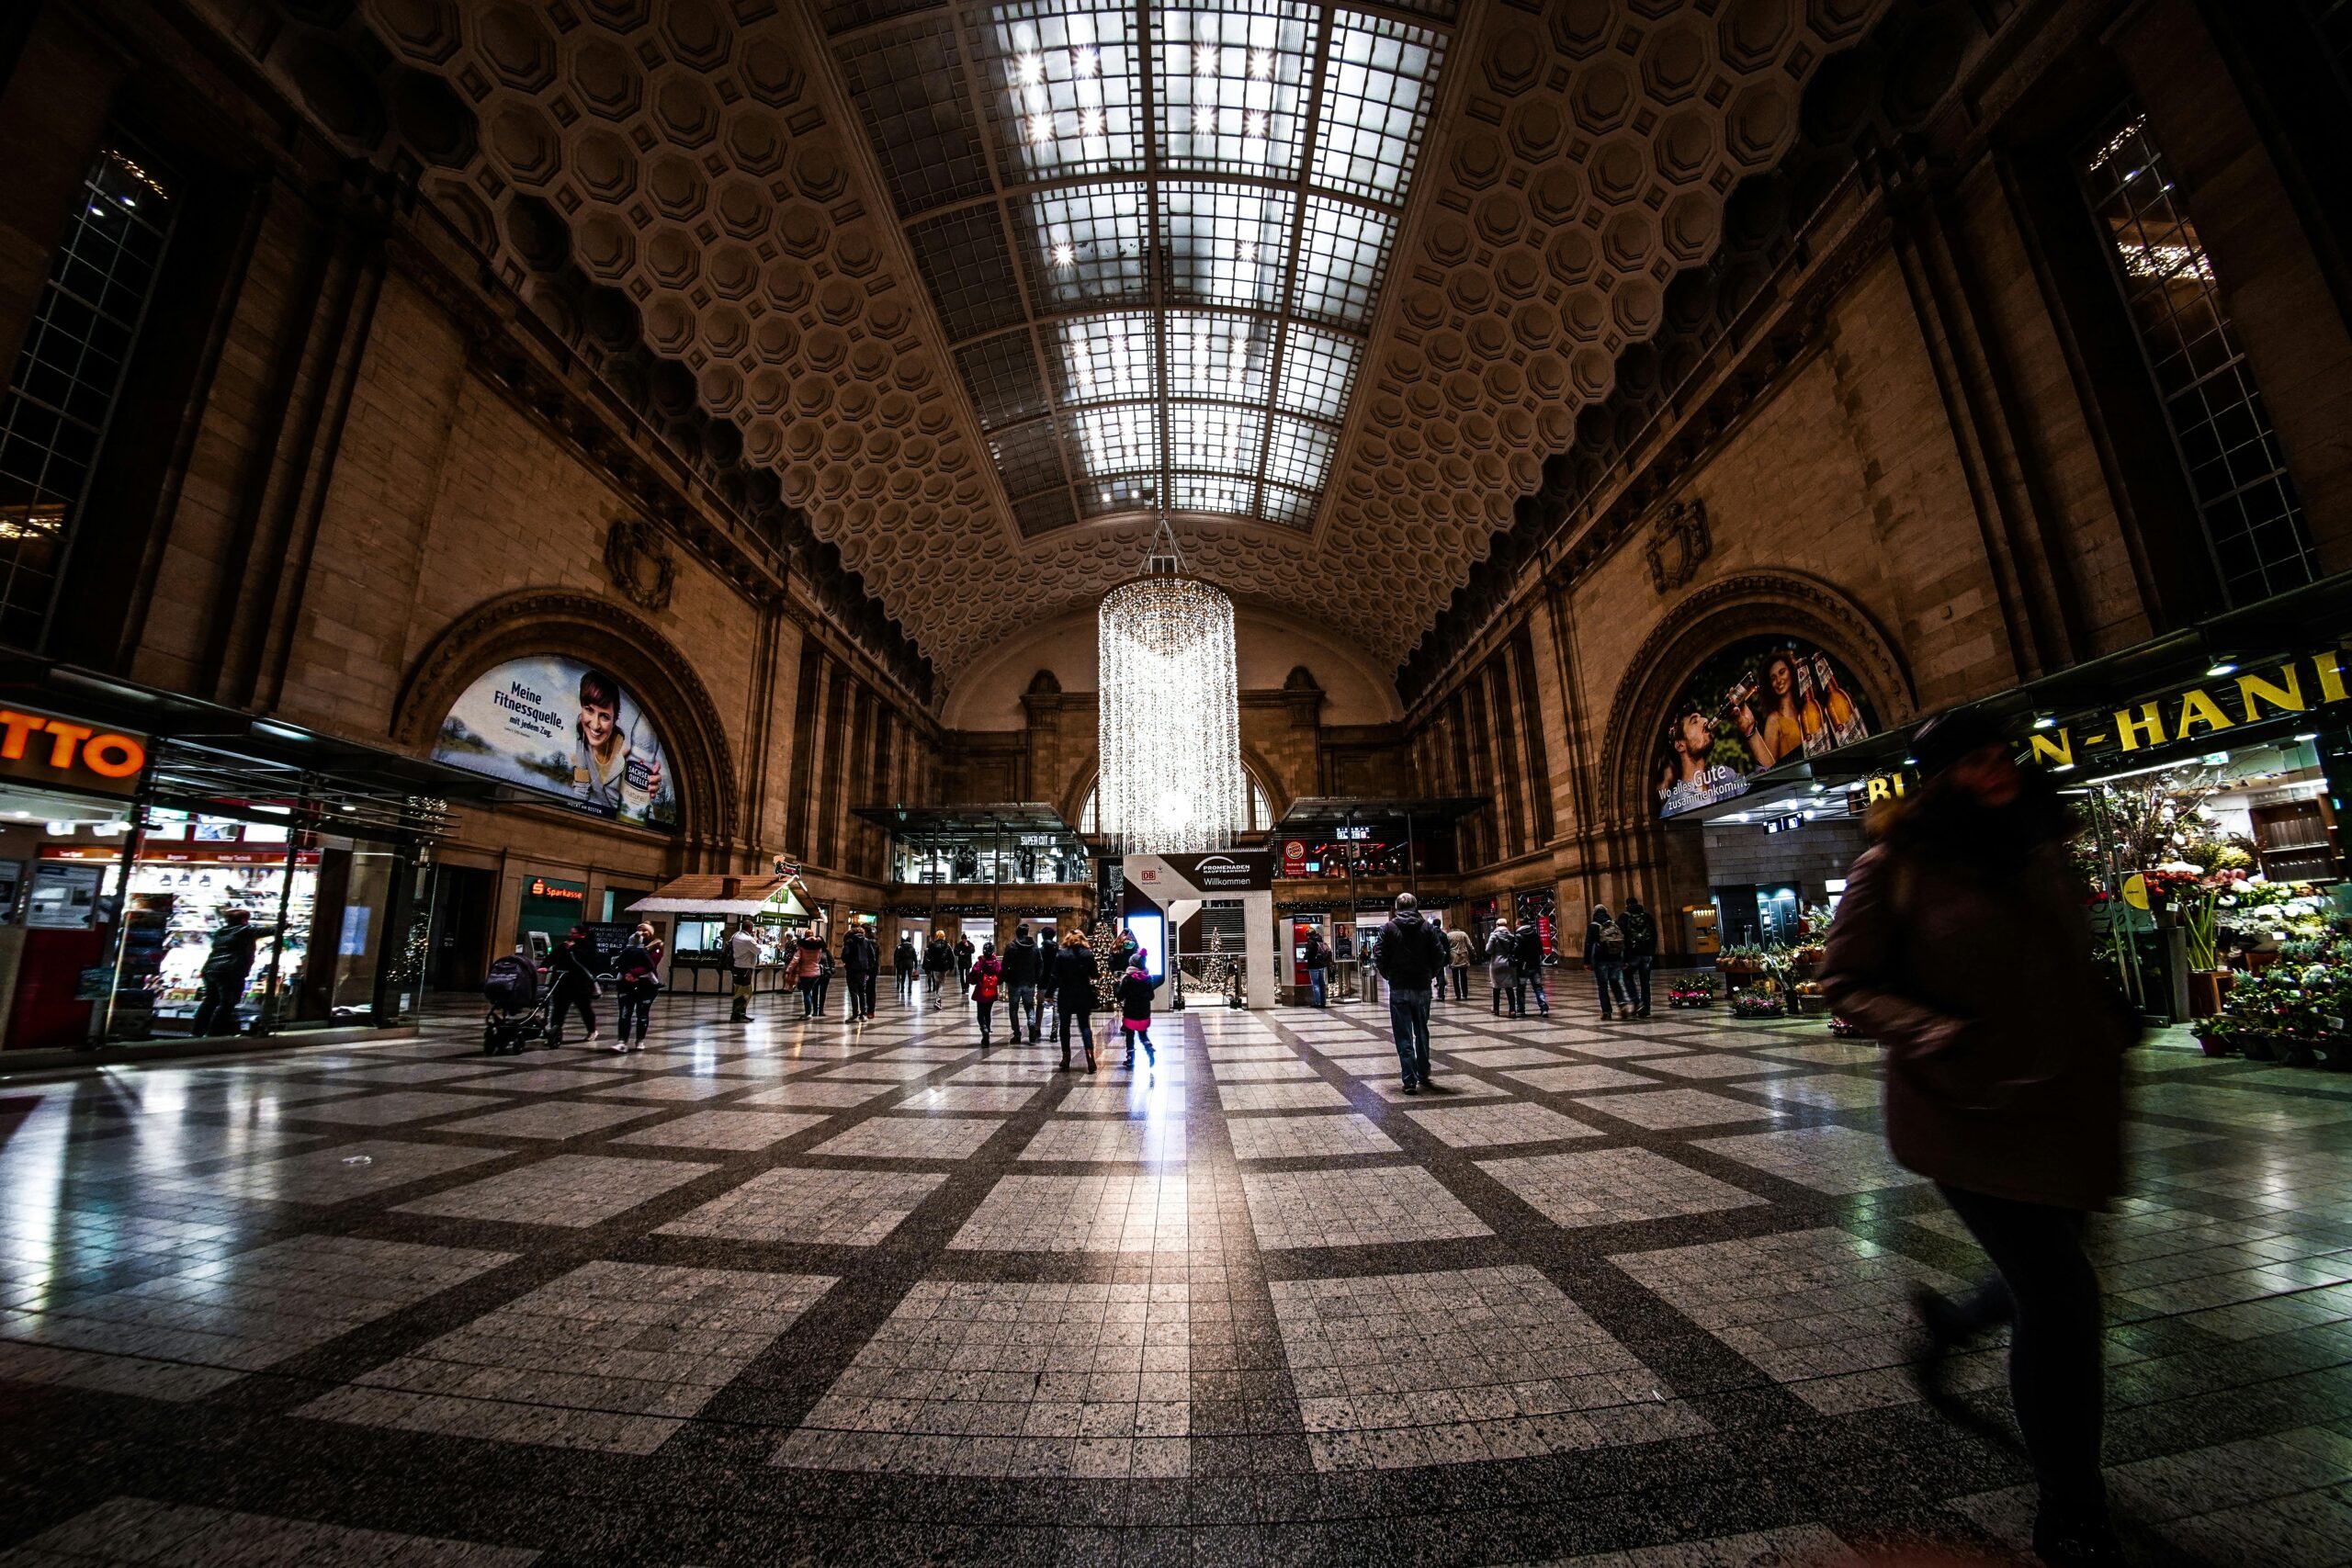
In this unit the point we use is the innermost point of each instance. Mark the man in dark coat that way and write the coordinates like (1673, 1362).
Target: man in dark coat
(572, 984)
(227, 965)
(1074, 972)
(1411, 956)
(1641, 954)
(1528, 962)
(1024, 967)
(1317, 959)
(861, 961)
(1961, 946)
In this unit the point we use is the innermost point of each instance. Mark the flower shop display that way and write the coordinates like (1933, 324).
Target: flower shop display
(1694, 991)
(1844, 1029)
(2293, 1012)
(1758, 1005)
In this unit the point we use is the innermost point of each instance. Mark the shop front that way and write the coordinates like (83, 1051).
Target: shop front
(977, 872)
(1341, 861)
(130, 848)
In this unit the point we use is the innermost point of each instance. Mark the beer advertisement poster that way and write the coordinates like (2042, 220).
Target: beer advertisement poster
(1747, 709)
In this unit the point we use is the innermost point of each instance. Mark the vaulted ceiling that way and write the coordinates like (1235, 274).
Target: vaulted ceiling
(988, 287)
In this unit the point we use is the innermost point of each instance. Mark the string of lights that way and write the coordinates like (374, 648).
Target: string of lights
(1170, 725)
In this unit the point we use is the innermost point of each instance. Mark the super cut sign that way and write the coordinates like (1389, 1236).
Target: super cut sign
(43, 748)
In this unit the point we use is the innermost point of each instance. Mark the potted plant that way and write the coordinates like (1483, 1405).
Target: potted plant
(1691, 991)
(1810, 1001)
(1758, 1005)
(2218, 1035)
(2199, 925)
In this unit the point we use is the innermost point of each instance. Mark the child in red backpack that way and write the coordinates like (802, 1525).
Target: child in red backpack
(1135, 1010)
(987, 978)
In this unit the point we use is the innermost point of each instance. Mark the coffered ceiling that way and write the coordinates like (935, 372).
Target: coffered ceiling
(988, 286)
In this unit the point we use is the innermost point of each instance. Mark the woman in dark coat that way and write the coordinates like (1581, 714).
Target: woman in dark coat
(1960, 945)
(1074, 972)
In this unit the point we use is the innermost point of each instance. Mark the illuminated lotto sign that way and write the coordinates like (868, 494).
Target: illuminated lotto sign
(2216, 706)
(44, 748)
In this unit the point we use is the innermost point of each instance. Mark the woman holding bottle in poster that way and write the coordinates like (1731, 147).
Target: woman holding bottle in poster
(616, 774)
(1784, 730)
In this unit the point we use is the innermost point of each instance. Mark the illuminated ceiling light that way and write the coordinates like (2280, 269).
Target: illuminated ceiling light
(2045, 721)
(1089, 123)
(1029, 69)
(1253, 125)
(2224, 664)
(1065, 254)
(1205, 60)
(1041, 127)
(1204, 120)
(1170, 730)
(1085, 61)
(1250, 253)
(1261, 64)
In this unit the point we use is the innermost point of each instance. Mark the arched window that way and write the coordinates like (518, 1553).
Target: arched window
(1261, 810)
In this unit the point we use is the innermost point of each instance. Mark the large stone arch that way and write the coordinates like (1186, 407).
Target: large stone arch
(1752, 605)
(596, 629)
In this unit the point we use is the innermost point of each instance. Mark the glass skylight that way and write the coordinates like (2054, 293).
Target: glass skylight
(1204, 195)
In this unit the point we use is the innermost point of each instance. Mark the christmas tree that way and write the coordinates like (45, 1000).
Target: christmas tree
(1107, 945)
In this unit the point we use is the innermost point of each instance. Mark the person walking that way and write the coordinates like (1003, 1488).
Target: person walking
(1318, 960)
(573, 986)
(938, 963)
(1074, 976)
(987, 980)
(743, 962)
(1961, 946)
(904, 963)
(1135, 1010)
(227, 964)
(1502, 968)
(1604, 954)
(638, 969)
(808, 971)
(1528, 962)
(1459, 953)
(1641, 954)
(1024, 967)
(825, 968)
(860, 960)
(963, 955)
(1411, 957)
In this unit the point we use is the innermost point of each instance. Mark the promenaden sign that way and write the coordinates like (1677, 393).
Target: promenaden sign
(2215, 706)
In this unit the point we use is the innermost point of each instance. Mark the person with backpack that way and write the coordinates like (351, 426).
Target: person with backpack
(639, 967)
(1024, 967)
(1135, 1010)
(1317, 959)
(1502, 974)
(1528, 969)
(905, 963)
(1604, 954)
(1641, 954)
(1963, 948)
(1459, 952)
(1411, 956)
(986, 980)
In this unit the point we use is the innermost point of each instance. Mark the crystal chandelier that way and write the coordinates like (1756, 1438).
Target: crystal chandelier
(1170, 725)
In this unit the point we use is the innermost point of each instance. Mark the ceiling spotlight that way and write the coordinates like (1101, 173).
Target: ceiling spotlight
(1029, 69)
(1085, 61)
(1250, 252)
(1205, 60)
(1261, 64)
(1065, 254)
(1089, 123)
(2045, 721)
(1041, 127)
(1253, 125)
(2224, 664)
(1204, 120)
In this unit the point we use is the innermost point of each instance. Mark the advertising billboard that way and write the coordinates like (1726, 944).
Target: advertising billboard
(1760, 702)
(566, 730)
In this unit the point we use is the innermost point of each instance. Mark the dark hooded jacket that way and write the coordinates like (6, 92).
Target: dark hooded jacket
(1960, 945)
(1411, 953)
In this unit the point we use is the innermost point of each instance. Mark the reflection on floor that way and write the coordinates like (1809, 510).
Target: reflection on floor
(1628, 1293)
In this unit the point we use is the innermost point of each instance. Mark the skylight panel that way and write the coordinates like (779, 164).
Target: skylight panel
(1232, 86)
(1106, 358)
(1214, 437)
(1212, 493)
(1119, 439)
(1119, 493)
(1285, 507)
(1072, 100)
(1319, 372)
(1375, 104)
(1226, 244)
(1342, 252)
(1211, 355)
(1299, 453)
(1086, 245)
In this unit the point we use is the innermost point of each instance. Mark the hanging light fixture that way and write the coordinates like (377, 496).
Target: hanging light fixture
(1169, 724)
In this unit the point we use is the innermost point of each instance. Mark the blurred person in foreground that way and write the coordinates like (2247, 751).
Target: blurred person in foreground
(1962, 947)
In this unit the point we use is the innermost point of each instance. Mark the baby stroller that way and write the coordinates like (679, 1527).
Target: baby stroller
(518, 1010)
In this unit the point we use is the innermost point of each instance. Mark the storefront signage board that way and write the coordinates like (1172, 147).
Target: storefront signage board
(2198, 714)
(44, 748)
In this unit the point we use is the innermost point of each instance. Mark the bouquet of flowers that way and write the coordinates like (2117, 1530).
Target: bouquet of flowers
(1696, 991)
(1843, 1029)
(1756, 1004)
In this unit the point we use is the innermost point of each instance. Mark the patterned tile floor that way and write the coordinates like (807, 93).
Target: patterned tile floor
(1629, 1294)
